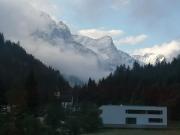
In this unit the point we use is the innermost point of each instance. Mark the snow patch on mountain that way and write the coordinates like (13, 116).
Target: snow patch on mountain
(106, 50)
(150, 58)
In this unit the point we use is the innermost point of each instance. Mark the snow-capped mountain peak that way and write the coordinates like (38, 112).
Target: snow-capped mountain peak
(150, 58)
(52, 30)
(103, 56)
(106, 50)
(106, 40)
(62, 25)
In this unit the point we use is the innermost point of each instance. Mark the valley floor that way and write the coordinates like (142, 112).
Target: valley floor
(138, 132)
(173, 129)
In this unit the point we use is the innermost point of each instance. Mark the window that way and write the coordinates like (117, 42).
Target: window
(155, 120)
(136, 111)
(155, 112)
(130, 120)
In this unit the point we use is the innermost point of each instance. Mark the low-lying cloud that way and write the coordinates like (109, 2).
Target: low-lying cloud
(169, 50)
(66, 60)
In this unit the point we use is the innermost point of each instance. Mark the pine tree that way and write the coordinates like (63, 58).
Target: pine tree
(32, 93)
(1, 39)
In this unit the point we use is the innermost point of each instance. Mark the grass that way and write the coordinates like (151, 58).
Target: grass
(138, 132)
(173, 129)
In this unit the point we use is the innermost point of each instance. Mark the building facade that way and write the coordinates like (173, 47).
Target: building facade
(134, 116)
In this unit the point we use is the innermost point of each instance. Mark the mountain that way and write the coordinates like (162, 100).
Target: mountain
(106, 50)
(52, 31)
(149, 58)
(79, 56)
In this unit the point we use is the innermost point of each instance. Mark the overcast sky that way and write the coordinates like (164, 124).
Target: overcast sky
(137, 23)
(134, 24)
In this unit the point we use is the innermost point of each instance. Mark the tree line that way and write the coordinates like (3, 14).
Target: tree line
(154, 85)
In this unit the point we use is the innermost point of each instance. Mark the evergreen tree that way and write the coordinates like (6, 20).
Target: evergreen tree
(90, 120)
(3, 100)
(1, 40)
(32, 93)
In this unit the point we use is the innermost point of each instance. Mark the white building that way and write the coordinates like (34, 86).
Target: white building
(134, 116)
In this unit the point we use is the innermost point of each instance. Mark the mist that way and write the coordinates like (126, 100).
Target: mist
(19, 19)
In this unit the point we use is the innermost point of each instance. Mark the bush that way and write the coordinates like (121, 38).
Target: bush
(89, 116)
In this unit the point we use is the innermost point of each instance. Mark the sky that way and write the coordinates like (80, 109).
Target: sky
(136, 26)
(133, 24)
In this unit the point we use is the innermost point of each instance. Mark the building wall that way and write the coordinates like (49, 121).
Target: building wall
(116, 116)
(144, 118)
(112, 115)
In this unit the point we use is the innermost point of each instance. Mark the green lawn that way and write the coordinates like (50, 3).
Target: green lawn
(138, 132)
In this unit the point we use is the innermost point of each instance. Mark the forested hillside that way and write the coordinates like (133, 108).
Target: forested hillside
(157, 85)
(30, 102)
(19, 70)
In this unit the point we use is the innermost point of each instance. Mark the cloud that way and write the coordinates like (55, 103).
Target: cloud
(158, 15)
(131, 40)
(153, 9)
(169, 49)
(118, 4)
(21, 18)
(91, 10)
(68, 61)
(46, 6)
(99, 33)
